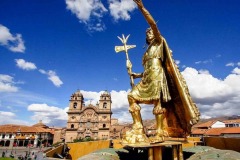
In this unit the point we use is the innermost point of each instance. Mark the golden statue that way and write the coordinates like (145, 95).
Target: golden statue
(163, 86)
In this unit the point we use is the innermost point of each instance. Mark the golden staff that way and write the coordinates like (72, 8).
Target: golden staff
(125, 48)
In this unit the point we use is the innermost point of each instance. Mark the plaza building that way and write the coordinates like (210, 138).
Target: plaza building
(217, 128)
(93, 121)
(12, 135)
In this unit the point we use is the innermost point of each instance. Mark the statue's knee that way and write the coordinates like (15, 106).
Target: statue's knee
(134, 108)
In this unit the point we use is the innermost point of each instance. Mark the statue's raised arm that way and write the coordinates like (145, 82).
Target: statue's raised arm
(149, 19)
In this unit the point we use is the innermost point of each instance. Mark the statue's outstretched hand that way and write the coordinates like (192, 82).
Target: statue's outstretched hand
(139, 3)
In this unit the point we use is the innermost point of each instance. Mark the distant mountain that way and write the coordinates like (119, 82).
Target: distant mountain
(222, 118)
(149, 122)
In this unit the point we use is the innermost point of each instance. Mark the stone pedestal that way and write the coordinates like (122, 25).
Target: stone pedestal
(155, 150)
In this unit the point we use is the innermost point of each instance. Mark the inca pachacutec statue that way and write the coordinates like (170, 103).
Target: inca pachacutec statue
(163, 86)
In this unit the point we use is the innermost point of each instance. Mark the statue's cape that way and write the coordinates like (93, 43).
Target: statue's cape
(185, 111)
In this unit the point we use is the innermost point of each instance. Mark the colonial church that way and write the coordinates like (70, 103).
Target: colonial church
(88, 121)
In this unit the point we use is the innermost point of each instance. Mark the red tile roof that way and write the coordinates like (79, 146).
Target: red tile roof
(205, 124)
(23, 129)
(231, 130)
(225, 130)
(198, 131)
(214, 132)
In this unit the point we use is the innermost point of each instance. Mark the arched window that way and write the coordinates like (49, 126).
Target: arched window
(104, 105)
(104, 125)
(72, 125)
(75, 105)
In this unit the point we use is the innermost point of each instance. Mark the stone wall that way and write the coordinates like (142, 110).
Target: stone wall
(83, 148)
(223, 143)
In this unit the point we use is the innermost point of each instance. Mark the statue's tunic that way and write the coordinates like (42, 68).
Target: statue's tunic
(163, 81)
(153, 85)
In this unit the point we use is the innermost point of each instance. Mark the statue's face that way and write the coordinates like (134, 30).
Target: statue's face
(150, 35)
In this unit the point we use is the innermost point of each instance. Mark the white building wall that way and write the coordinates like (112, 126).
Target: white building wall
(218, 124)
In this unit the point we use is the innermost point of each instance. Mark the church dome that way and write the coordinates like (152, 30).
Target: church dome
(106, 93)
(40, 124)
(78, 93)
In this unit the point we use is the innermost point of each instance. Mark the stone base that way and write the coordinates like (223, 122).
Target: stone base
(155, 150)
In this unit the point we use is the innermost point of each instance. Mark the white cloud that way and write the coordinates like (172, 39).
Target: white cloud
(13, 43)
(205, 117)
(16, 101)
(8, 114)
(231, 64)
(203, 71)
(204, 85)
(177, 62)
(7, 84)
(214, 97)
(236, 71)
(184, 66)
(119, 99)
(238, 63)
(50, 115)
(11, 118)
(52, 76)
(21, 63)
(198, 62)
(204, 62)
(91, 94)
(119, 10)
(89, 12)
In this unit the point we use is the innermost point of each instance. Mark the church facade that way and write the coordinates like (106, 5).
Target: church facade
(88, 121)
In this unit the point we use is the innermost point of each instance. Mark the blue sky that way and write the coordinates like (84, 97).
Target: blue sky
(49, 49)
